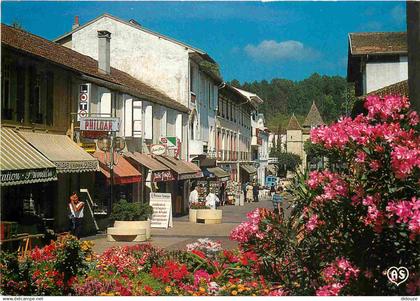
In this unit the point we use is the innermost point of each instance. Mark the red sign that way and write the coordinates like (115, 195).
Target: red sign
(163, 176)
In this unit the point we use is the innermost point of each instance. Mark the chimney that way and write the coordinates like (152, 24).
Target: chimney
(76, 23)
(104, 56)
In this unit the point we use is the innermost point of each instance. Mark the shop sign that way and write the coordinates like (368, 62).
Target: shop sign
(84, 99)
(158, 149)
(26, 175)
(100, 124)
(162, 210)
(162, 176)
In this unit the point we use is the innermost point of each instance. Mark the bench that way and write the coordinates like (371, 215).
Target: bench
(125, 234)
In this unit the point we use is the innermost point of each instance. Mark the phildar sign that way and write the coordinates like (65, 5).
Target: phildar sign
(100, 124)
(162, 210)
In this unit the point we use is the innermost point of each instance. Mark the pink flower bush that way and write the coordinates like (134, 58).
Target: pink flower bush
(337, 275)
(332, 185)
(407, 212)
(312, 223)
(244, 231)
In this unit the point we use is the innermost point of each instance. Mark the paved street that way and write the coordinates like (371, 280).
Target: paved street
(184, 232)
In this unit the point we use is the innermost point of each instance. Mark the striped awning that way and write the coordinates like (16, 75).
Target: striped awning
(20, 163)
(62, 151)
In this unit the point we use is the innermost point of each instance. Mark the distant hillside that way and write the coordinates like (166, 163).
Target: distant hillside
(283, 97)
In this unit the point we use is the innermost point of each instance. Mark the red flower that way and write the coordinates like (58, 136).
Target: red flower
(199, 253)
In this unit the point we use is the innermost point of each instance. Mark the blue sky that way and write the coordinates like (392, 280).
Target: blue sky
(249, 40)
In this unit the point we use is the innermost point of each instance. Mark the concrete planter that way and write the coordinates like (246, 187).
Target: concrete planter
(193, 215)
(129, 231)
(209, 216)
(134, 225)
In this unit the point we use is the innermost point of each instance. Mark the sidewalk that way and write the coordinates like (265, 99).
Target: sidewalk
(184, 232)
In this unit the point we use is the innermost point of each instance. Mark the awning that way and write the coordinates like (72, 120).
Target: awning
(160, 172)
(219, 173)
(124, 172)
(272, 169)
(249, 168)
(62, 151)
(20, 163)
(185, 170)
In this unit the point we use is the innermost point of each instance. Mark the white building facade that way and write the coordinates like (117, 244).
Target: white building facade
(169, 66)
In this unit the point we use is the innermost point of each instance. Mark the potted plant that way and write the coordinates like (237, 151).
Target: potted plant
(132, 216)
(193, 210)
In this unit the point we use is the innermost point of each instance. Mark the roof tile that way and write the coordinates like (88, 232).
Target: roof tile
(40, 47)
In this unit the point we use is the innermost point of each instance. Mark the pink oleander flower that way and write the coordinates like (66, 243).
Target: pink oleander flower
(329, 290)
(244, 231)
(375, 165)
(361, 157)
(407, 212)
(384, 108)
(404, 160)
(312, 223)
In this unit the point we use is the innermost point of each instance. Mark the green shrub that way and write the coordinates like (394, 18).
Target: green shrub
(125, 211)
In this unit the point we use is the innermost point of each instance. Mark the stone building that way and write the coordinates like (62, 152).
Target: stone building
(297, 134)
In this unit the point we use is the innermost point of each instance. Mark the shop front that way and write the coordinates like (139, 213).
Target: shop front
(248, 174)
(214, 180)
(27, 181)
(185, 173)
(75, 171)
(157, 176)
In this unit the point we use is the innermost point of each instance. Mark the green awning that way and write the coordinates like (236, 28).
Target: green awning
(20, 163)
(219, 173)
(249, 169)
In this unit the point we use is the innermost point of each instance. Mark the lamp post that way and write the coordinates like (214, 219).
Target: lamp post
(112, 144)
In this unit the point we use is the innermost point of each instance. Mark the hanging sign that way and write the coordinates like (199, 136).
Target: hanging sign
(158, 149)
(162, 210)
(100, 124)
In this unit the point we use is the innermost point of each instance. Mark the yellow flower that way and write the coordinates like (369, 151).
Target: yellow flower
(202, 289)
(253, 295)
(234, 293)
(240, 290)
(168, 289)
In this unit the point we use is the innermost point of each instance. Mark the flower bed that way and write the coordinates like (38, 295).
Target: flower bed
(70, 268)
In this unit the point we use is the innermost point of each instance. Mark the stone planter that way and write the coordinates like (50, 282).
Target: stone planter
(134, 225)
(123, 234)
(193, 215)
(129, 231)
(209, 216)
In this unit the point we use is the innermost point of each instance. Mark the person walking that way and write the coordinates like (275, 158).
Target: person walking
(249, 193)
(255, 192)
(76, 214)
(193, 196)
(272, 189)
(277, 200)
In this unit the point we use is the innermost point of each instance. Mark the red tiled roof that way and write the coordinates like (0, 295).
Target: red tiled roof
(400, 88)
(378, 43)
(34, 45)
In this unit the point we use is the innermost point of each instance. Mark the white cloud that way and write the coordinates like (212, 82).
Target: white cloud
(398, 14)
(270, 50)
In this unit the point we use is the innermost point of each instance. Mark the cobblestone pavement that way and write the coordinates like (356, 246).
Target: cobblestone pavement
(184, 232)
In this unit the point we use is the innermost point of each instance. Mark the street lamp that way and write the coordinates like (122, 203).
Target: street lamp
(111, 144)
